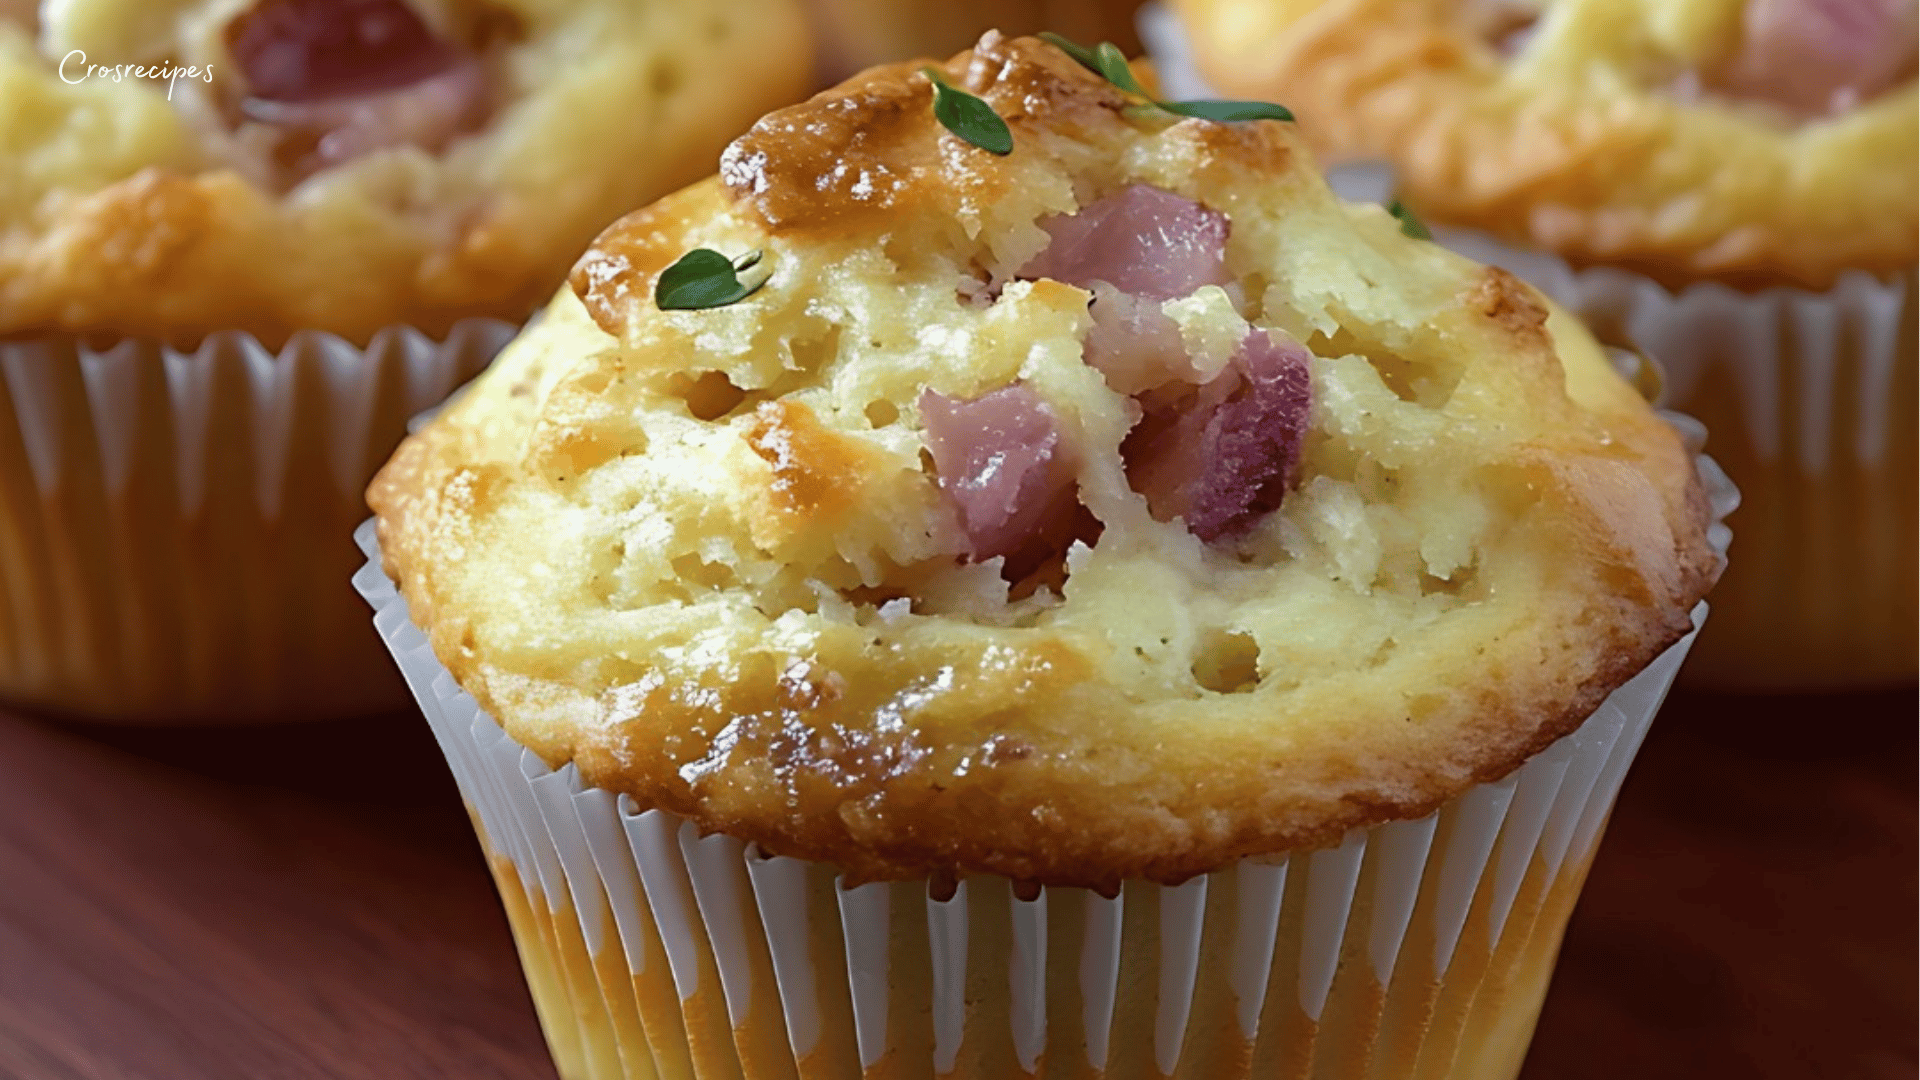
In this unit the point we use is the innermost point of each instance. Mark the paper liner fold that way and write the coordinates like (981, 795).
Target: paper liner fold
(174, 526)
(1412, 949)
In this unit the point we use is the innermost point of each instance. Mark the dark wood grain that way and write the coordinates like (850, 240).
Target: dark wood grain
(308, 904)
(304, 902)
(1752, 910)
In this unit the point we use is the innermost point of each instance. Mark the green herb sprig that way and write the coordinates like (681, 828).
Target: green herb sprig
(703, 279)
(1107, 61)
(1084, 56)
(1409, 224)
(1228, 112)
(968, 117)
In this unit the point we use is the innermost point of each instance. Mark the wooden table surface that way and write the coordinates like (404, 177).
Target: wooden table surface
(287, 904)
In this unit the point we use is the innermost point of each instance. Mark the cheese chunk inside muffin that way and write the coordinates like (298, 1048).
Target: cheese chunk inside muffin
(1114, 508)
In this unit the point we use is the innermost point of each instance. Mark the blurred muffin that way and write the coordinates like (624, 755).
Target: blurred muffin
(854, 34)
(1672, 138)
(350, 166)
(1731, 186)
(239, 244)
(1123, 516)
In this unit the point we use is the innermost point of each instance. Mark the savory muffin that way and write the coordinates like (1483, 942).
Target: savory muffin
(1099, 514)
(1732, 185)
(1299, 505)
(1756, 143)
(349, 166)
(902, 550)
(240, 243)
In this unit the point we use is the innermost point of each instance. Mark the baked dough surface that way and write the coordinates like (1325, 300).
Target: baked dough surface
(124, 213)
(1582, 141)
(700, 554)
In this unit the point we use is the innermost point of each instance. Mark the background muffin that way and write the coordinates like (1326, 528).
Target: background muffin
(1730, 186)
(352, 166)
(854, 34)
(224, 287)
(1675, 139)
(1121, 515)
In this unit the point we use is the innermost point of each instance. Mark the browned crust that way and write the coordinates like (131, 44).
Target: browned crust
(175, 257)
(618, 271)
(814, 471)
(1018, 766)
(857, 158)
(852, 155)
(1602, 171)
(1507, 301)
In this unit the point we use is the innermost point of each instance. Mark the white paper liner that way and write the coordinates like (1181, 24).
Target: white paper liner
(1417, 945)
(175, 524)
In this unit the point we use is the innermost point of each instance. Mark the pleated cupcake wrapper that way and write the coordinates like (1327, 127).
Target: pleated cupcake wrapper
(1417, 948)
(176, 525)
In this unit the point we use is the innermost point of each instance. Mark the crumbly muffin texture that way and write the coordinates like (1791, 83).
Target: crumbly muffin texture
(711, 558)
(1755, 142)
(351, 164)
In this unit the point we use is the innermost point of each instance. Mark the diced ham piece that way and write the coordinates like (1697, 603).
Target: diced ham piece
(1223, 456)
(1141, 240)
(354, 76)
(1218, 451)
(1134, 249)
(1818, 56)
(314, 50)
(1001, 461)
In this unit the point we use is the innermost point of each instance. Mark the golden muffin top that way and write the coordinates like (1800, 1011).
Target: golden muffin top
(350, 164)
(1117, 507)
(1754, 142)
